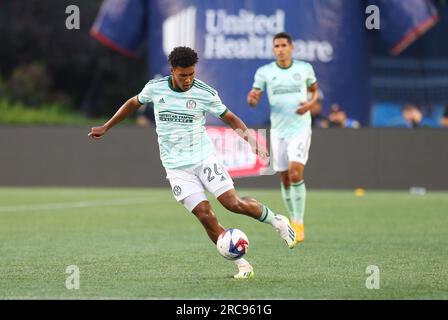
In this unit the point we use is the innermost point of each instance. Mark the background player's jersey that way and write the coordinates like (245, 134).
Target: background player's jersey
(286, 88)
(180, 120)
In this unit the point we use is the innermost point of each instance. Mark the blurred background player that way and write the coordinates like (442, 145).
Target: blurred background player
(180, 103)
(287, 83)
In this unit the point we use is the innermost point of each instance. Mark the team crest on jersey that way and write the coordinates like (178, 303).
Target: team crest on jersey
(297, 77)
(191, 104)
(177, 191)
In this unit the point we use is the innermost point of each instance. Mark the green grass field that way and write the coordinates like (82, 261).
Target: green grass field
(139, 243)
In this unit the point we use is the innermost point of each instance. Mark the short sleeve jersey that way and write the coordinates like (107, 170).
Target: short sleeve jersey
(286, 89)
(180, 120)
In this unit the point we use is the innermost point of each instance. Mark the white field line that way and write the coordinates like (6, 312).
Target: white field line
(74, 205)
(137, 298)
(80, 298)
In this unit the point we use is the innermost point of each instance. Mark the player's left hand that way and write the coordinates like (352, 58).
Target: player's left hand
(303, 108)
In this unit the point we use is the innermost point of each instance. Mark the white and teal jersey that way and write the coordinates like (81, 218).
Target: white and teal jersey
(180, 120)
(286, 89)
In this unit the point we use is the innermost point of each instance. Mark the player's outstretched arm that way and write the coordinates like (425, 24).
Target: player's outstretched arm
(127, 108)
(254, 96)
(241, 129)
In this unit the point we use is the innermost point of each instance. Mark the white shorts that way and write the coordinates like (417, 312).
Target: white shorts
(210, 175)
(285, 150)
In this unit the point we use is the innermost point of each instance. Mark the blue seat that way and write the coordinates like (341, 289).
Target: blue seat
(437, 113)
(386, 115)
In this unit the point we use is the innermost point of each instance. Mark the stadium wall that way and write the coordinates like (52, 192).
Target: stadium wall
(129, 157)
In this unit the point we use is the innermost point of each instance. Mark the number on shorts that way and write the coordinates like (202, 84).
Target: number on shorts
(209, 176)
(217, 169)
(218, 172)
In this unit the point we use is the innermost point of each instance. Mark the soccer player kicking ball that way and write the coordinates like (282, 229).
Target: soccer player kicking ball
(287, 82)
(180, 103)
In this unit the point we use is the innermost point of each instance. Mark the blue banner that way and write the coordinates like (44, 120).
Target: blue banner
(234, 38)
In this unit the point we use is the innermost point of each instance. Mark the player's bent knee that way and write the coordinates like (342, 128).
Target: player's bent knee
(235, 205)
(202, 207)
(204, 213)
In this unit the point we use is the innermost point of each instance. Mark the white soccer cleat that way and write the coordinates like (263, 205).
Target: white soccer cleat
(282, 225)
(245, 272)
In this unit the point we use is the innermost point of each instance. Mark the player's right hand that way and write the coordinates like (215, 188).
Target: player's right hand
(253, 97)
(260, 150)
(97, 132)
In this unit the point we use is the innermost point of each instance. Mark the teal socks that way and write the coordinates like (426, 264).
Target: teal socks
(266, 215)
(298, 196)
(286, 195)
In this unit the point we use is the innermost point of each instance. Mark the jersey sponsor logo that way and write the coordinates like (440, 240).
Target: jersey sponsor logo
(177, 191)
(286, 89)
(191, 104)
(175, 117)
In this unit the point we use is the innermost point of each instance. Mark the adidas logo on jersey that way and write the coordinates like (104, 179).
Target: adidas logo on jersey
(161, 100)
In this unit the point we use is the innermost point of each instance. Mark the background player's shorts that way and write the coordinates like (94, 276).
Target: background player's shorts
(209, 175)
(285, 150)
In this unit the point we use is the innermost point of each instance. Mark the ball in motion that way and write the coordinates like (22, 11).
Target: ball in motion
(232, 244)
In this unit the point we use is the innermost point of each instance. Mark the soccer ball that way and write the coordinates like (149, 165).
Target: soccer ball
(232, 244)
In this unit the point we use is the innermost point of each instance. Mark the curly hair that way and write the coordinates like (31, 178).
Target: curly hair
(183, 57)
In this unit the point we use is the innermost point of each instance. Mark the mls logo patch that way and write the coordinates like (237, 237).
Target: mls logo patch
(297, 76)
(191, 104)
(177, 191)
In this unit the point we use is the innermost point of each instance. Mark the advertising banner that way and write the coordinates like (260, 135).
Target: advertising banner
(234, 37)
